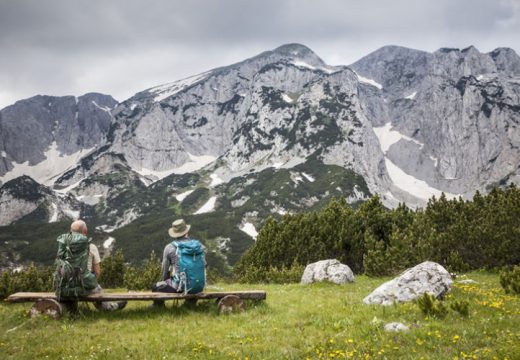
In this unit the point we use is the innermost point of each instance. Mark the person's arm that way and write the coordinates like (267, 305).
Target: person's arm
(166, 264)
(96, 260)
(97, 270)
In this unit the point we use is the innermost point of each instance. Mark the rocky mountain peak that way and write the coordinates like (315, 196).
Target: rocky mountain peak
(44, 135)
(299, 52)
(506, 60)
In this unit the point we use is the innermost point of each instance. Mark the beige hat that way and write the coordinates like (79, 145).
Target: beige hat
(179, 228)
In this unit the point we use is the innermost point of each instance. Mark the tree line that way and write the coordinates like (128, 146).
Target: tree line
(459, 234)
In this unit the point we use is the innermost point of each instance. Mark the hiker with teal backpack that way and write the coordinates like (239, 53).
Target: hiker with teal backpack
(183, 264)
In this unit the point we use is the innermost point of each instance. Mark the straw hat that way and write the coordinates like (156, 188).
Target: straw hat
(179, 228)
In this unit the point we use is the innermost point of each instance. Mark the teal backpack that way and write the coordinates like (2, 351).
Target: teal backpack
(190, 274)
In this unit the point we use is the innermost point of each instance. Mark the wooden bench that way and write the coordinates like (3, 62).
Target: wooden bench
(47, 303)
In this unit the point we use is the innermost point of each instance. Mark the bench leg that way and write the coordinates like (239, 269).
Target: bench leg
(230, 304)
(190, 302)
(49, 307)
(70, 306)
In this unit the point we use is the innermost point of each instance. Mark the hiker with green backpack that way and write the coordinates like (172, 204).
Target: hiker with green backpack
(183, 264)
(77, 268)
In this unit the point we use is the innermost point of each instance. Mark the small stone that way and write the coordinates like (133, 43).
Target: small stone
(396, 326)
(467, 281)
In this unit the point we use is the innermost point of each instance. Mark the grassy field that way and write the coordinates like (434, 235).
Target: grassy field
(296, 322)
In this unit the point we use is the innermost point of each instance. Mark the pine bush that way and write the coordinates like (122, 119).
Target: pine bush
(510, 280)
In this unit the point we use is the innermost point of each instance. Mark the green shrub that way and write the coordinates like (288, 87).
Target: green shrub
(458, 234)
(374, 260)
(510, 280)
(31, 279)
(430, 306)
(113, 270)
(285, 275)
(460, 306)
(145, 276)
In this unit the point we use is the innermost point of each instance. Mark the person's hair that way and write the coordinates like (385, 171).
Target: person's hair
(78, 226)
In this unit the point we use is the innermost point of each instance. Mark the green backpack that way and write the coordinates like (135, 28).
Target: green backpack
(72, 278)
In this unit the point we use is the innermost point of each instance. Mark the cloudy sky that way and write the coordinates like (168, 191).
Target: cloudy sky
(120, 47)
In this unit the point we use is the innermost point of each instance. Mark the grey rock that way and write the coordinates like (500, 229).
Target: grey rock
(327, 270)
(467, 281)
(427, 277)
(396, 327)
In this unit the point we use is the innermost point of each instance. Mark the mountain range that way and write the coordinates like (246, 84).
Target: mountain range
(277, 133)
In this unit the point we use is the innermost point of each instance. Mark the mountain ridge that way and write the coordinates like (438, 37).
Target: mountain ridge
(283, 131)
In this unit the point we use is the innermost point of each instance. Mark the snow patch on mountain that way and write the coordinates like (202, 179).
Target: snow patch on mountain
(46, 171)
(105, 228)
(3, 154)
(308, 177)
(108, 242)
(54, 217)
(408, 183)
(73, 214)
(411, 96)
(287, 98)
(69, 188)
(180, 197)
(90, 199)
(387, 137)
(164, 91)
(302, 64)
(296, 178)
(104, 108)
(249, 229)
(434, 159)
(411, 184)
(209, 206)
(195, 163)
(368, 81)
(215, 180)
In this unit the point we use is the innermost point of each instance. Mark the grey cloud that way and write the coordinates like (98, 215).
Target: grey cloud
(121, 46)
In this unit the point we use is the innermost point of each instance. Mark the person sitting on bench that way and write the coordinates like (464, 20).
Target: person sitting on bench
(93, 265)
(180, 275)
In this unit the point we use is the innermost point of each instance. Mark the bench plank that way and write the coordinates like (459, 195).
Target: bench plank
(129, 296)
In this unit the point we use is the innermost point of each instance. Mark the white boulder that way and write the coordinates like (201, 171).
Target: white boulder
(427, 277)
(327, 270)
(396, 326)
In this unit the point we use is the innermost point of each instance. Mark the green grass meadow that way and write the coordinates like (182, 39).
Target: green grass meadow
(320, 321)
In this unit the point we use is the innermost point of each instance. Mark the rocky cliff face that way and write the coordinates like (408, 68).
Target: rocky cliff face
(277, 133)
(448, 119)
(413, 124)
(45, 135)
(23, 196)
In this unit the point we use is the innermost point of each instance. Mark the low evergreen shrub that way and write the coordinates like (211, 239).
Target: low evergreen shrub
(113, 270)
(460, 306)
(145, 276)
(510, 280)
(430, 306)
(30, 279)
